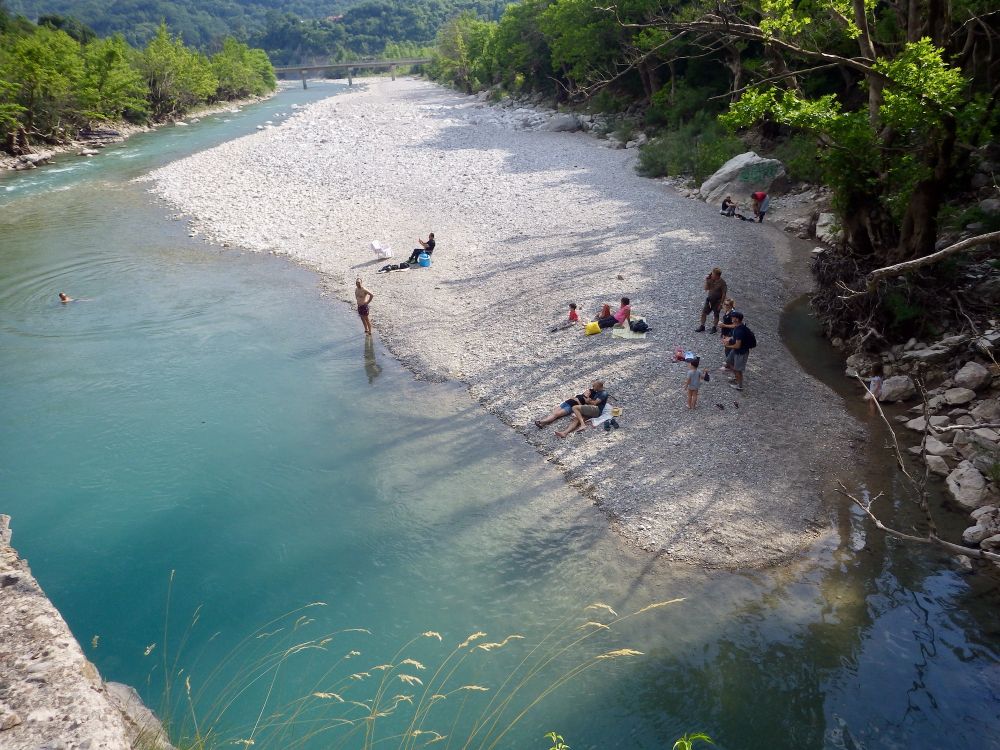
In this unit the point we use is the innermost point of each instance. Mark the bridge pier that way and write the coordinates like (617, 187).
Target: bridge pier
(350, 76)
(303, 74)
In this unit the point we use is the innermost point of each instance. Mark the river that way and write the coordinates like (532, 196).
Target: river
(206, 411)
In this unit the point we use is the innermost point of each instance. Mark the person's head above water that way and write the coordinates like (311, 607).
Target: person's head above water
(63, 297)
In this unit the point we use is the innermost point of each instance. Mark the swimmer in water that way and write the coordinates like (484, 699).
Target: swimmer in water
(64, 298)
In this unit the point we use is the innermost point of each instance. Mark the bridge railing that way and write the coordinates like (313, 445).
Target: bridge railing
(350, 67)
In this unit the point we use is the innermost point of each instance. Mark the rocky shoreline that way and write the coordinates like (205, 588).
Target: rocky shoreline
(51, 696)
(89, 142)
(956, 426)
(529, 219)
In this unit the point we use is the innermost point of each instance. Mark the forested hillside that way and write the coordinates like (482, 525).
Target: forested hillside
(893, 105)
(291, 32)
(58, 76)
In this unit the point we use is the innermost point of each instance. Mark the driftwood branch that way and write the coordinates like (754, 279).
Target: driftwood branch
(934, 539)
(899, 269)
(920, 488)
(956, 427)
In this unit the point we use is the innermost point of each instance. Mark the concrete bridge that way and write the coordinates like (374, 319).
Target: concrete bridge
(350, 67)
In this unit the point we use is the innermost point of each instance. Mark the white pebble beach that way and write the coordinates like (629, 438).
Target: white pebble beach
(526, 222)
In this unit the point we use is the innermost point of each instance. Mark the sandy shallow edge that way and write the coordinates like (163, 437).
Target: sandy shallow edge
(528, 221)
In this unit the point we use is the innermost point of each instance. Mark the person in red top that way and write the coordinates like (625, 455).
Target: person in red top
(573, 316)
(760, 204)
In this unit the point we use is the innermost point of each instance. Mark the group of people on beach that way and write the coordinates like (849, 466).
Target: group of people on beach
(759, 203)
(736, 339)
(364, 296)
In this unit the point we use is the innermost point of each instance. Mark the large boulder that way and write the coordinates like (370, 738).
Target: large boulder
(563, 123)
(973, 376)
(967, 486)
(897, 388)
(740, 176)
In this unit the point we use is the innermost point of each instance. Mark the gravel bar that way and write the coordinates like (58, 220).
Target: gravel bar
(527, 221)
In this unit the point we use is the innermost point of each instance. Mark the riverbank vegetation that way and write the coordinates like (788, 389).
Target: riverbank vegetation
(300, 32)
(430, 689)
(58, 76)
(893, 106)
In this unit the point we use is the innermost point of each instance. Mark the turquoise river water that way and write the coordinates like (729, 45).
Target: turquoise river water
(207, 412)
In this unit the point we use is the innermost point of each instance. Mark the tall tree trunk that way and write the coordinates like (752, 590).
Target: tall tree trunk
(647, 88)
(867, 48)
(913, 24)
(919, 228)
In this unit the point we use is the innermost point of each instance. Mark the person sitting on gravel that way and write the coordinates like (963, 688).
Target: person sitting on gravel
(593, 399)
(622, 315)
(728, 206)
(425, 247)
(716, 287)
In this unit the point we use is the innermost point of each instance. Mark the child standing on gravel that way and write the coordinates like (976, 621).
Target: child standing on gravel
(693, 381)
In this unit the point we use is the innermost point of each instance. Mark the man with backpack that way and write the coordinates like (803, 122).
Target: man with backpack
(740, 342)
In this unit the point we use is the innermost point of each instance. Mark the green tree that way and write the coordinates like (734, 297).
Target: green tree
(177, 77)
(111, 83)
(43, 69)
(462, 57)
(241, 71)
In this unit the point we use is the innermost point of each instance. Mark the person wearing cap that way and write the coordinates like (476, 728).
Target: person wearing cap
(739, 344)
(715, 285)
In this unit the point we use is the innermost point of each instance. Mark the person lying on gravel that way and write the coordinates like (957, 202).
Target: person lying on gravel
(622, 315)
(593, 398)
(425, 247)
(593, 408)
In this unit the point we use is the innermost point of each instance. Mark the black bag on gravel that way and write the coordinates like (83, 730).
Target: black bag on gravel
(638, 326)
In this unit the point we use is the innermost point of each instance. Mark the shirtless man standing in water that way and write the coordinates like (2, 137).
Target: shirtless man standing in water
(364, 298)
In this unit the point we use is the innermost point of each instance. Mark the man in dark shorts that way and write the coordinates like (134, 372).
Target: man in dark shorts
(364, 298)
(425, 247)
(592, 400)
(738, 344)
(715, 285)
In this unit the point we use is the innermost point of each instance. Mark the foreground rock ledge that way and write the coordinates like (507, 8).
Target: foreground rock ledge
(526, 222)
(51, 696)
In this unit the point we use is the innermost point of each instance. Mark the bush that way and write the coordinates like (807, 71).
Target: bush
(801, 158)
(697, 148)
(604, 102)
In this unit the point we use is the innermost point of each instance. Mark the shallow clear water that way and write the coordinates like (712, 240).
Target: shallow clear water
(208, 412)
